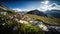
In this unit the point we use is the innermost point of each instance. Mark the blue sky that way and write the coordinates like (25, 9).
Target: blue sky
(25, 4)
(22, 4)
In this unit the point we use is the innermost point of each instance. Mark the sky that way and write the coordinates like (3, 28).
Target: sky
(27, 4)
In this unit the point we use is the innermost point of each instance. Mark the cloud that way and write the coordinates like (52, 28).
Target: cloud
(52, 6)
(18, 9)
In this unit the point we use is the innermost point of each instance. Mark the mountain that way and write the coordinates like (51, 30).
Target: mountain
(37, 12)
(54, 13)
(4, 7)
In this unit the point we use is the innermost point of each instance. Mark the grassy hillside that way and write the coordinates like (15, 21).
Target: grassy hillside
(7, 24)
(45, 19)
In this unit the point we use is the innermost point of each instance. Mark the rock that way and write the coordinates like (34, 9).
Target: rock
(54, 28)
(15, 28)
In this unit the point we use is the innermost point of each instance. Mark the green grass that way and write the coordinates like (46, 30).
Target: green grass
(45, 19)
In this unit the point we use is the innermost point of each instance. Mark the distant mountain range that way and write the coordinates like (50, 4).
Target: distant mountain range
(53, 13)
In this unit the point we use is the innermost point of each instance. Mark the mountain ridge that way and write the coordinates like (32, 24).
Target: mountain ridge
(54, 13)
(37, 12)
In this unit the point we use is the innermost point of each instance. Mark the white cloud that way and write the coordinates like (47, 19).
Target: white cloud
(41, 8)
(53, 6)
(56, 7)
(18, 9)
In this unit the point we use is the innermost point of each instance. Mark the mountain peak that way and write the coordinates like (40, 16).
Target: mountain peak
(53, 5)
(37, 12)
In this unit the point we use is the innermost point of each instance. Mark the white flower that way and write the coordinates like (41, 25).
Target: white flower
(3, 24)
(5, 13)
(31, 21)
(16, 19)
(43, 27)
(22, 21)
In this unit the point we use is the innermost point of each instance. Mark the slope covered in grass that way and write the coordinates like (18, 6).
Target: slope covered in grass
(45, 19)
(8, 25)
